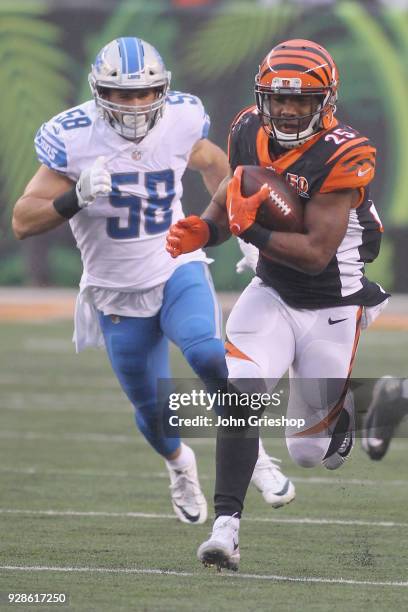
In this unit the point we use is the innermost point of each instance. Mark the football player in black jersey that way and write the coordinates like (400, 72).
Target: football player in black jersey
(310, 298)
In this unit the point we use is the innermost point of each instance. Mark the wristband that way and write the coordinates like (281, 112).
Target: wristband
(213, 239)
(256, 235)
(66, 204)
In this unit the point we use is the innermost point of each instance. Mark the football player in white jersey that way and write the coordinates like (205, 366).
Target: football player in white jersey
(113, 167)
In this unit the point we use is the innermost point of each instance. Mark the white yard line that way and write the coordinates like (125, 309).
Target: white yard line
(73, 437)
(252, 519)
(62, 382)
(347, 481)
(51, 402)
(47, 345)
(224, 575)
(27, 470)
(123, 439)
(89, 437)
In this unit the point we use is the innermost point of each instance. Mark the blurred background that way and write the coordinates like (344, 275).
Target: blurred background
(79, 489)
(213, 48)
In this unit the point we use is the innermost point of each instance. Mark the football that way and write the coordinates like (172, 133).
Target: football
(283, 210)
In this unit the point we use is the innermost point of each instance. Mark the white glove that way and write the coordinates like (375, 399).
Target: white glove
(93, 182)
(250, 259)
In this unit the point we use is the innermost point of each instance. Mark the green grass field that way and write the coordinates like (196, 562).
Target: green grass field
(83, 495)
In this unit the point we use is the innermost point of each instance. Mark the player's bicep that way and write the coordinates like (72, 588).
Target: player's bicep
(205, 154)
(326, 219)
(46, 184)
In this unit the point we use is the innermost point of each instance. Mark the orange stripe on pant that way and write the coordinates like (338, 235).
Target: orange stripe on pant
(233, 351)
(335, 411)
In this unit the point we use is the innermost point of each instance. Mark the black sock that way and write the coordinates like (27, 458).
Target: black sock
(236, 454)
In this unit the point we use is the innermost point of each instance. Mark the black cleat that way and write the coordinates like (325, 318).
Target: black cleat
(385, 412)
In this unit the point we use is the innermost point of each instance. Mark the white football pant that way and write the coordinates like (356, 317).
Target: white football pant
(266, 337)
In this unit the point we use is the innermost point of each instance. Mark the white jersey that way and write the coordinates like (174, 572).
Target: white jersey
(122, 236)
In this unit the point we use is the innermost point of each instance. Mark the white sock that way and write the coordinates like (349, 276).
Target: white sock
(224, 519)
(185, 458)
(262, 451)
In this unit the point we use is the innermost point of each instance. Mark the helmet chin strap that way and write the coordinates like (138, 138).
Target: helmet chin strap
(133, 126)
(288, 142)
(136, 124)
(130, 127)
(303, 137)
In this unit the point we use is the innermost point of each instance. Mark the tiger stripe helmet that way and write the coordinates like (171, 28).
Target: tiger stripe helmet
(297, 67)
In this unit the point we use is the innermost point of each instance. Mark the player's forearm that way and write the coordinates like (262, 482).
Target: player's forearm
(216, 214)
(214, 174)
(33, 216)
(298, 251)
(216, 217)
(211, 162)
(212, 177)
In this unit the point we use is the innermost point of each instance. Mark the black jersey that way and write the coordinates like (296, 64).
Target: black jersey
(333, 159)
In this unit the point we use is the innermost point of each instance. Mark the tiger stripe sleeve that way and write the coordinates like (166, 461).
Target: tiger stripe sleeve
(350, 167)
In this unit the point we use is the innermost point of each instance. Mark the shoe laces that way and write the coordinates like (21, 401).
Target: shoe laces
(225, 523)
(345, 444)
(269, 465)
(184, 487)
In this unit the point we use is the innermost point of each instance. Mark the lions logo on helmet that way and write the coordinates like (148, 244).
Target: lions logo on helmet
(129, 63)
(295, 68)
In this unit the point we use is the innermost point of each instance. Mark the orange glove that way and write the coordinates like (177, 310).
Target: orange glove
(242, 211)
(187, 235)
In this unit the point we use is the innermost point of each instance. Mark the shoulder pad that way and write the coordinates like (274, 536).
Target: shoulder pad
(242, 137)
(351, 164)
(194, 105)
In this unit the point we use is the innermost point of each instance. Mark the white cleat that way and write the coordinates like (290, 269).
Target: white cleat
(187, 499)
(277, 490)
(222, 549)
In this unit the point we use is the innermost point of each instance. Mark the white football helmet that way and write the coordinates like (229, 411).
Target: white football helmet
(129, 63)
